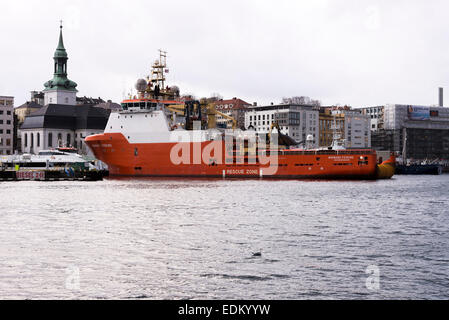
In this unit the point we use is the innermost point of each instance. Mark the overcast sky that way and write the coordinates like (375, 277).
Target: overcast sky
(359, 53)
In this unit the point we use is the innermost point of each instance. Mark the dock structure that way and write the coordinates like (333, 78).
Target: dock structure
(51, 175)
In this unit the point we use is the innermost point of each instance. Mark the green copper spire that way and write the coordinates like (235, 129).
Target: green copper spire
(60, 50)
(60, 80)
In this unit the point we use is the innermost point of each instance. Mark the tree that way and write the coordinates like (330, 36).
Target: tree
(216, 97)
(301, 100)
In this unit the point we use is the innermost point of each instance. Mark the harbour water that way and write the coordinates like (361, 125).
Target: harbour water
(195, 239)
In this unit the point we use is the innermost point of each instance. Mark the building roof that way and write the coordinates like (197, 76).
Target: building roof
(57, 116)
(110, 106)
(30, 105)
(281, 107)
(86, 100)
(232, 104)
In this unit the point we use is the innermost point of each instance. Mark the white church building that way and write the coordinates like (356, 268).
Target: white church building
(61, 122)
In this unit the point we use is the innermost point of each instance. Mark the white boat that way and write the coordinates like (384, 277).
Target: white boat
(46, 159)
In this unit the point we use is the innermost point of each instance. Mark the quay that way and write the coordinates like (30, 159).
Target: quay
(52, 175)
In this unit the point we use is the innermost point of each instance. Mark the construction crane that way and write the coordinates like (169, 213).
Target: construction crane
(212, 113)
(194, 109)
(176, 108)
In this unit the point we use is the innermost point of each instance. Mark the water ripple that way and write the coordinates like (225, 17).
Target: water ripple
(195, 239)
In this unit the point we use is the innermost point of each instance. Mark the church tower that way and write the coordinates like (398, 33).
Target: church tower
(60, 90)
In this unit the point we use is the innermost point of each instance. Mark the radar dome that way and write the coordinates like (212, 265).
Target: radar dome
(141, 85)
(174, 90)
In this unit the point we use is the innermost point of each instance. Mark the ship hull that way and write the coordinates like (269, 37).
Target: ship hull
(156, 160)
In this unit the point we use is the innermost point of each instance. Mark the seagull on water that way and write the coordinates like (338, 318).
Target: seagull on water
(258, 254)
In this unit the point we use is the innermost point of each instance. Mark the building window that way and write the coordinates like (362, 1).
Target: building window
(50, 139)
(32, 140)
(38, 142)
(59, 139)
(26, 140)
(66, 100)
(69, 138)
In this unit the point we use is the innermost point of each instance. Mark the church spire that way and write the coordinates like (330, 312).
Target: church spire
(61, 40)
(60, 82)
(60, 50)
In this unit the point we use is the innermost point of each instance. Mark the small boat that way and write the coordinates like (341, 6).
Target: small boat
(46, 159)
(415, 169)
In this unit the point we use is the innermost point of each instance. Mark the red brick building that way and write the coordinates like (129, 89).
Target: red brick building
(235, 108)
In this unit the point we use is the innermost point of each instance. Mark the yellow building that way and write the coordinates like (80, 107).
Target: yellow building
(326, 126)
(353, 127)
(25, 110)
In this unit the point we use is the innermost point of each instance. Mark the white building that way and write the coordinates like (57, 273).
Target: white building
(6, 125)
(376, 115)
(357, 130)
(62, 126)
(61, 122)
(296, 121)
(398, 116)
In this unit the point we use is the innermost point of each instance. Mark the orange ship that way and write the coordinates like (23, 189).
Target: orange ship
(158, 134)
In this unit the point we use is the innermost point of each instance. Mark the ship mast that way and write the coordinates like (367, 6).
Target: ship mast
(336, 135)
(158, 71)
(404, 147)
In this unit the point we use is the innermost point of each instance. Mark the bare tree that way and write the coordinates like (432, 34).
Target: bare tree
(216, 97)
(301, 100)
